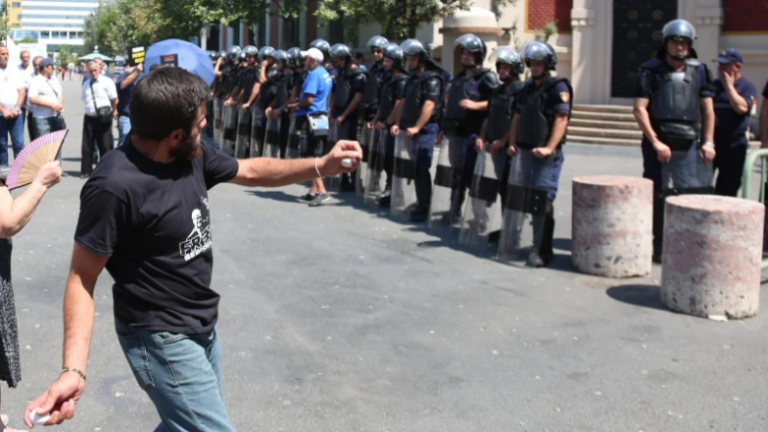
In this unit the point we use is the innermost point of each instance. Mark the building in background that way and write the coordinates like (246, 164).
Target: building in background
(50, 22)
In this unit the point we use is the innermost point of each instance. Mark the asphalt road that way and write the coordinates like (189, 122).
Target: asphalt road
(342, 319)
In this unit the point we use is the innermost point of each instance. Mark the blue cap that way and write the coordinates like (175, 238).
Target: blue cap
(729, 55)
(45, 62)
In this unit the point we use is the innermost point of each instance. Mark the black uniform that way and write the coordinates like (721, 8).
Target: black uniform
(392, 91)
(501, 110)
(373, 85)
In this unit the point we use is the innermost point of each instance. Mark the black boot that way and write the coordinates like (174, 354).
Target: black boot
(543, 233)
(658, 225)
(420, 213)
(423, 184)
(385, 198)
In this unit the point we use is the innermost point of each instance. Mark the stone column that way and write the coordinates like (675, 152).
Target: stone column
(712, 255)
(612, 226)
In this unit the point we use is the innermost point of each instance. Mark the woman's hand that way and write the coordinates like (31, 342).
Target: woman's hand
(49, 174)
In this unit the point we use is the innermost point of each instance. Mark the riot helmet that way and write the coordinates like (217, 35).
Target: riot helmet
(679, 30)
(539, 51)
(233, 52)
(379, 42)
(393, 52)
(474, 45)
(341, 52)
(241, 57)
(294, 56)
(282, 57)
(508, 56)
(213, 55)
(265, 52)
(251, 51)
(323, 46)
(223, 55)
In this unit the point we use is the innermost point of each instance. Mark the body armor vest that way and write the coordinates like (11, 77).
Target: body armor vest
(387, 99)
(269, 88)
(282, 90)
(463, 87)
(675, 106)
(500, 111)
(342, 92)
(414, 99)
(535, 119)
(372, 91)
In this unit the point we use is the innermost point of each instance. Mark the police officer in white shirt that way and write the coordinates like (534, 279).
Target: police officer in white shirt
(46, 101)
(12, 94)
(99, 94)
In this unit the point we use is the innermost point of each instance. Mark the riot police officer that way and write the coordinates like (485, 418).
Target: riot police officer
(230, 111)
(347, 95)
(390, 99)
(674, 108)
(282, 95)
(325, 49)
(418, 116)
(464, 114)
(542, 114)
(495, 131)
(375, 80)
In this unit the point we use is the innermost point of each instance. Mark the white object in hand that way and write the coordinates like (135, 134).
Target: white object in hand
(346, 163)
(36, 418)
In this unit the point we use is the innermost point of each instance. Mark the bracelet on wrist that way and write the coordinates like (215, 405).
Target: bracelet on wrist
(77, 371)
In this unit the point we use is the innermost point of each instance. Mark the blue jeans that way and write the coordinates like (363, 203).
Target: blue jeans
(123, 129)
(15, 127)
(182, 376)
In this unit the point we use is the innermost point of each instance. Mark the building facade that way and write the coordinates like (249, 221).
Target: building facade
(50, 22)
(600, 43)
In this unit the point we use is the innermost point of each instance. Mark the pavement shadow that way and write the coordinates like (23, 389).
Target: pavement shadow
(275, 195)
(563, 244)
(637, 295)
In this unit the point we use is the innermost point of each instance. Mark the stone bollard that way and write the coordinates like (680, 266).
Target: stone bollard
(612, 226)
(712, 255)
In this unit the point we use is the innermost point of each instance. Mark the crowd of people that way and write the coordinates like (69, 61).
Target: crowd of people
(285, 117)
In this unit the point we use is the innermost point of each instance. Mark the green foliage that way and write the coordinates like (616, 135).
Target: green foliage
(27, 40)
(3, 21)
(549, 30)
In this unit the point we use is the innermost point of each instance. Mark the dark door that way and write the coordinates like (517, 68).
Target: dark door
(637, 26)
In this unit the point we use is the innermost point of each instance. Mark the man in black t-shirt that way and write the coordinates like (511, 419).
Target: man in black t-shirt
(144, 215)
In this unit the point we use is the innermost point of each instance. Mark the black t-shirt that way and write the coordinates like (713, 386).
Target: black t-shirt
(152, 221)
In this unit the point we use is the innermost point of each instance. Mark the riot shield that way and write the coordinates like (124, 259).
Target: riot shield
(482, 212)
(525, 208)
(218, 122)
(377, 147)
(293, 151)
(361, 173)
(445, 197)
(242, 145)
(272, 137)
(256, 131)
(332, 184)
(208, 131)
(684, 174)
(403, 174)
(230, 130)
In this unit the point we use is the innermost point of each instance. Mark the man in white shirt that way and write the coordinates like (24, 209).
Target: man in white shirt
(46, 101)
(12, 94)
(26, 109)
(99, 94)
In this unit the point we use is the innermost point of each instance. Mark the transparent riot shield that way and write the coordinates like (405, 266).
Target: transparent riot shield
(403, 175)
(218, 122)
(332, 184)
(482, 212)
(445, 196)
(525, 208)
(256, 131)
(230, 130)
(272, 137)
(292, 150)
(242, 145)
(377, 147)
(361, 173)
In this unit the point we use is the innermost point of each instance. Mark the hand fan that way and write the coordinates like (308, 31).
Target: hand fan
(35, 154)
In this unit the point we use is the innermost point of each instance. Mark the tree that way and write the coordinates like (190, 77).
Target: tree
(101, 30)
(3, 21)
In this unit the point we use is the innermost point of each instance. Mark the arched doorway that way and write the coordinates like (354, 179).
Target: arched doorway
(637, 26)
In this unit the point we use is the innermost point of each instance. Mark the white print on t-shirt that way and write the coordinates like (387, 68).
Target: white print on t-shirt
(204, 200)
(199, 240)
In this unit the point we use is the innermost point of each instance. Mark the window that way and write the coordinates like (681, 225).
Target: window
(336, 30)
(261, 30)
(45, 34)
(236, 33)
(15, 5)
(55, 35)
(291, 32)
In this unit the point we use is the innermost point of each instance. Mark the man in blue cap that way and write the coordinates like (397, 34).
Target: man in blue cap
(734, 98)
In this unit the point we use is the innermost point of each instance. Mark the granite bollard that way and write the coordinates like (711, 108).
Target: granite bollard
(712, 256)
(612, 226)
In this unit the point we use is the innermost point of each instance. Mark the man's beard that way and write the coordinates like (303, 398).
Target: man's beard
(189, 150)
